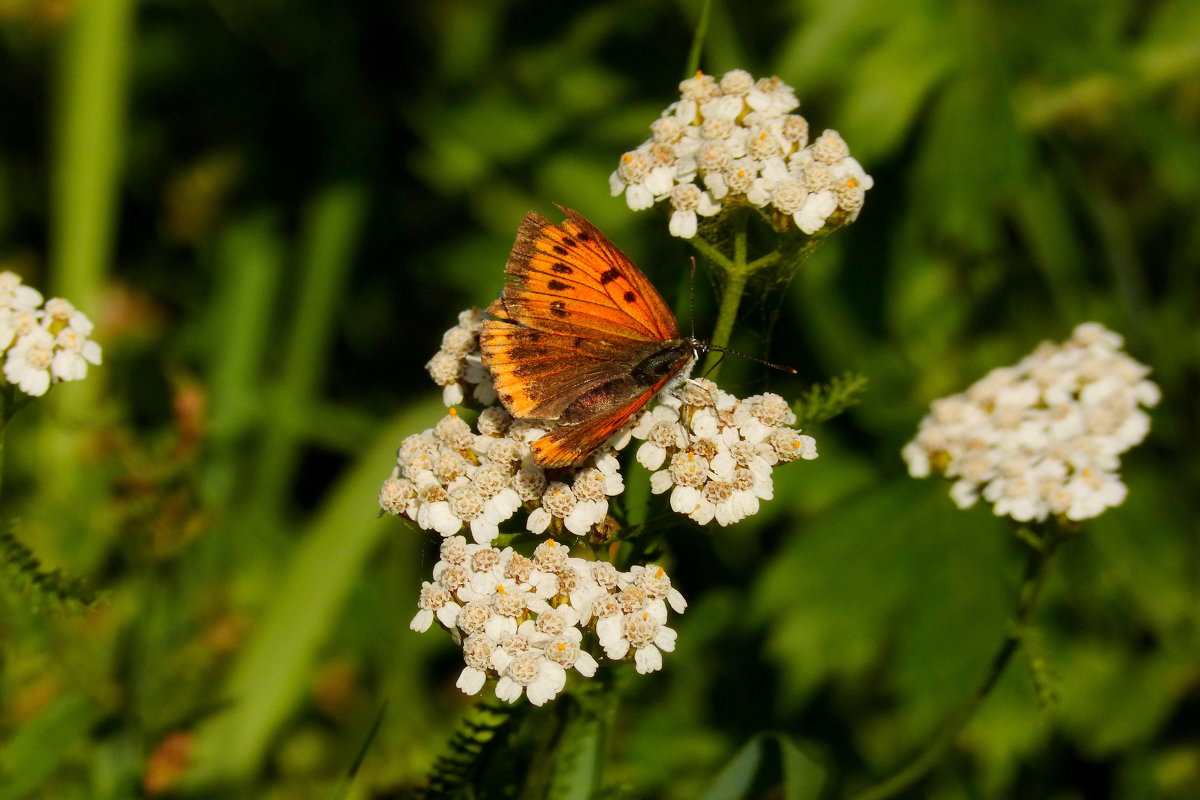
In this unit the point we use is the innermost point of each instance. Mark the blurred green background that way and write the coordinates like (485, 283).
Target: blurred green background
(273, 209)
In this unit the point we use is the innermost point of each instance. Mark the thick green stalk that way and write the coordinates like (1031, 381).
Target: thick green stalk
(271, 676)
(1036, 571)
(736, 275)
(88, 143)
(89, 133)
(5, 413)
(737, 269)
(250, 259)
(731, 299)
(332, 228)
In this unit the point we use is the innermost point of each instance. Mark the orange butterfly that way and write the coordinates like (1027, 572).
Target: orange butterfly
(578, 336)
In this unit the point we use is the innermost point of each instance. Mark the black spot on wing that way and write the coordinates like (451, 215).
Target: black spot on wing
(562, 251)
(559, 309)
(630, 297)
(559, 286)
(609, 275)
(561, 268)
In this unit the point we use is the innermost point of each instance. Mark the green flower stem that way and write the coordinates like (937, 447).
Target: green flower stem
(11, 401)
(332, 225)
(693, 62)
(765, 261)
(88, 143)
(731, 298)
(737, 272)
(6, 407)
(1037, 569)
(710, 251)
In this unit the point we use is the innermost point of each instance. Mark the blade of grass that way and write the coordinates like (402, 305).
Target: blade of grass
(343, 789)
(250, 255)
(89, 138)
(271, 674)
(88, 142)
(39, 746)
(330, 235)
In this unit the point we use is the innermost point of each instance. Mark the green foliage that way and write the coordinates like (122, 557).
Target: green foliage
(40, 586)
(478, 737)
(748, 775)
(43, 745)
(823, 402)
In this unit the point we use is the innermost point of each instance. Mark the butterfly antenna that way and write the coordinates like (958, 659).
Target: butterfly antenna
(715, 363)
(764, 362)
(693, 297)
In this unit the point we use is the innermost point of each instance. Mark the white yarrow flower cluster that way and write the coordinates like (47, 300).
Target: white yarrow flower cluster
(457, 366)
(43, 344)
(583, 503)
(1042, 438)
(737, 142)
(452, 477)
(715, 453)
(445, 479)
(522, 620)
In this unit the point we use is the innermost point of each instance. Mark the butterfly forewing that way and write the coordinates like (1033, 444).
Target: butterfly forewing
(578, 335)
(571, 279)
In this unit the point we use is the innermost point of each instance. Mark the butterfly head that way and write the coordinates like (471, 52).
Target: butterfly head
(671, 364)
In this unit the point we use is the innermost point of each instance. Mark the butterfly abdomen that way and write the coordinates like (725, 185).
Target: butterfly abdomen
(627, 393)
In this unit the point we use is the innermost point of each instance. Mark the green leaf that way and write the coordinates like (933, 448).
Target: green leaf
(1043, 219)
(897, 564)
(824, 401)
(828, 36)
(272, 672)
(1114, 700)
(1144, 553)
(40, 586)
(885, 102)
(578, 758)
(343, 790)
(43, 743)
(735, 780)
(802, 777)
(756, 769)
(972, 155)
(958, 612)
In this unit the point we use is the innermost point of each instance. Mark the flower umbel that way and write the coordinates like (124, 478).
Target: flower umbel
(456, 366)
(737, 141)
(1044, 437)
(718, 451)
(42, 344)
(522, 621)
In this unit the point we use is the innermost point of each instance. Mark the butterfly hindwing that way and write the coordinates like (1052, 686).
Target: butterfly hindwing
(538, 374)
(613, 405)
